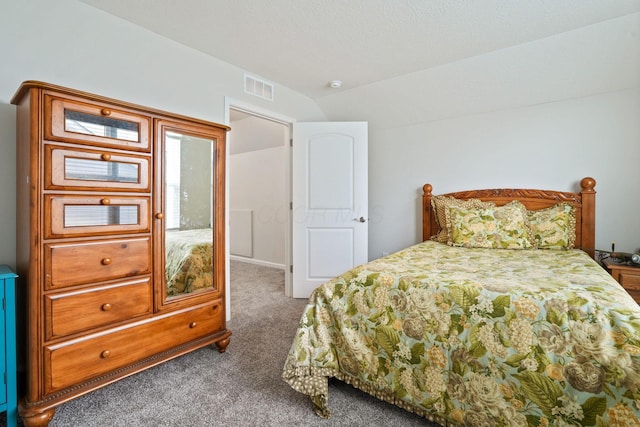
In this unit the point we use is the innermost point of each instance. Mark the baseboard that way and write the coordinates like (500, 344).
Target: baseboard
(257, 261)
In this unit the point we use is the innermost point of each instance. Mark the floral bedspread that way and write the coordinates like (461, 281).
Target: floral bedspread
(476, 337)
(189, 261)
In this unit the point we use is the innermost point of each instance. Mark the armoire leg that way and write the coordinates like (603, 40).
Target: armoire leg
(31, 418)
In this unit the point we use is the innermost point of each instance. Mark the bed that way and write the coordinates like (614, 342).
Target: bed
(462, 331)
(189, 261)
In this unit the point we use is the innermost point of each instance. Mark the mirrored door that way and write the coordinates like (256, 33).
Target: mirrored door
(191, 211)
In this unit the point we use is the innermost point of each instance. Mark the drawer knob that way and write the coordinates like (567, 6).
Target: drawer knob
(159, 215)
(105, 354)
(192, 325)
(106, 307)
(106, 156)
(105, 112)
(106, 261)
(105, 201)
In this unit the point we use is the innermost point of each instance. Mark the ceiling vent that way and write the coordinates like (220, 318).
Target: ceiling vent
(258, 87)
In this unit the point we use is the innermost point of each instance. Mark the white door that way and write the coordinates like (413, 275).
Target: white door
(330, 201)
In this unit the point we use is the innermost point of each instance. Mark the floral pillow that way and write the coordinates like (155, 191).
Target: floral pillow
(442, 203)
(503, 227)
(554, 227)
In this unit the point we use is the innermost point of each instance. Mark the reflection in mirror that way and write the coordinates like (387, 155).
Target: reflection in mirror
(188, 214)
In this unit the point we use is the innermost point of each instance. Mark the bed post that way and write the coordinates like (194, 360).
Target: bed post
(427, 212)
(588, 224)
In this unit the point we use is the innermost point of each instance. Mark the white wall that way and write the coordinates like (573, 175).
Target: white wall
(549, 146)
(257, 183)
(7, 183)
(71, 44)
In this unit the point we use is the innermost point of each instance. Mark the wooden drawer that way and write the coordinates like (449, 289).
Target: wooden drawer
(72, 362)
(631, 283)
(68, 264)
(70, 312)
(95, 215)
(89, 170)
(95, 124)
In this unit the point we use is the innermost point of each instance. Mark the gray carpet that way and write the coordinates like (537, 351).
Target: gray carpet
(241, 387)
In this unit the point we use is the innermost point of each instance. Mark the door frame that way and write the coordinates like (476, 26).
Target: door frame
(253, 110)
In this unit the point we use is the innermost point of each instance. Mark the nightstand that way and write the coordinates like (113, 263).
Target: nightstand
(627, 275)
(8, 391)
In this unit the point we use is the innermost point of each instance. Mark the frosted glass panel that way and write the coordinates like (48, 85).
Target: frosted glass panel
(330, 187)
(88, 124)
(91, 216)
(99, 170)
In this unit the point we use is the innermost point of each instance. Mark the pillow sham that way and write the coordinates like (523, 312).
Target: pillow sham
(554, 227)
(441, 204)
(503, 227)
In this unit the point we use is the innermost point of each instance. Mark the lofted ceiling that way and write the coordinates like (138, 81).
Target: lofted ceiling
(304, 44)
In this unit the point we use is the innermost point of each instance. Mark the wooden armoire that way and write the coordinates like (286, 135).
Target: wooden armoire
(120, 241)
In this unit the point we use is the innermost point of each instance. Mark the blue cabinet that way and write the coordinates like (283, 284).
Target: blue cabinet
(8, 391)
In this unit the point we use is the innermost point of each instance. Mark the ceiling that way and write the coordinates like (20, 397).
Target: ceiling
(304, 44)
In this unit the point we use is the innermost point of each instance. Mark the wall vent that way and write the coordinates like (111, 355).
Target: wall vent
(258, 87)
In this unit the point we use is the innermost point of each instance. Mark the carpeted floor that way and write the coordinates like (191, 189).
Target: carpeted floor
(241, 387)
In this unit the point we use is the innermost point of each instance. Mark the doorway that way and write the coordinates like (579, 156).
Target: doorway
(258, 188)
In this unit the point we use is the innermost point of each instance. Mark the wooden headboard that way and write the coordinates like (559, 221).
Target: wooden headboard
(584, 202)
